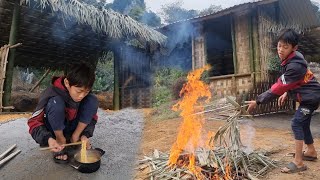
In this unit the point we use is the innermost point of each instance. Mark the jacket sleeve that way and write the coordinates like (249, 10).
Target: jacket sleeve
(37, 129)
(291, 79)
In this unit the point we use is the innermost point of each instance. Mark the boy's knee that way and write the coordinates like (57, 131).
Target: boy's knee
(91, 100)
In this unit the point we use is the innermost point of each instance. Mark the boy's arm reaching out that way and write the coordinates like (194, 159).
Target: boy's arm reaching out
(291, 79)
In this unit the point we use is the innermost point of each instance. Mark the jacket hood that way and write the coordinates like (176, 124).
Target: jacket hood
(58, 83)
(295, 57)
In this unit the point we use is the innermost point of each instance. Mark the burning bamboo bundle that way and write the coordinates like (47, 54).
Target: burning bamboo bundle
(222, 157)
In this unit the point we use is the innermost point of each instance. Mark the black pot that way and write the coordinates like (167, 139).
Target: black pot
(93, 163)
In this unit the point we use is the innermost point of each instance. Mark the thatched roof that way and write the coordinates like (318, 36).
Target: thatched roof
(54, 33)
(106, 21)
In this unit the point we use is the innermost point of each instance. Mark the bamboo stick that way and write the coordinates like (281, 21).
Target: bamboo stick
(16, 45)
(64, 145)
(3, 161)
(40, 80)
(7, 151)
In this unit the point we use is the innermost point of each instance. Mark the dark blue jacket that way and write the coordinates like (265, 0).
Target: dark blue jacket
(296, 79)
(37, 128)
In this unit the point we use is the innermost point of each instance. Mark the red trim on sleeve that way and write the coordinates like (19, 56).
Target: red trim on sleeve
(279, 88)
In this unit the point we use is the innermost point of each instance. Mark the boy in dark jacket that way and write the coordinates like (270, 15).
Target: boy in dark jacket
(66, 112)
(298, 82)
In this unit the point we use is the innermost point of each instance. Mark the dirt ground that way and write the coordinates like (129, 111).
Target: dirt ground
(116, 132)
(270, 132)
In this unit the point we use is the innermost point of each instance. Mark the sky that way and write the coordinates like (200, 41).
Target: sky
(155, 5)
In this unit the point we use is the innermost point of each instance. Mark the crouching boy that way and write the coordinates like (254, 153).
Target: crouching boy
(66, 112)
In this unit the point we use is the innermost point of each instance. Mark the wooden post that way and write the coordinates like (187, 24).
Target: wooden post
(251, 50)
(12, 53)
(116, 92)
(256, 42)
(234, 45)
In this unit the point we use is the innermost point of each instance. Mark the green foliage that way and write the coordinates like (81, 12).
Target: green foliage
(211, 9)
(164, 111)
(167, 76)
(126, 6)
(274, 64)
(316, 8)
(104, 73)
(177, 86)
(150, 18)
(161, 95)
(164, 80)
(174, 12)
(136, 13)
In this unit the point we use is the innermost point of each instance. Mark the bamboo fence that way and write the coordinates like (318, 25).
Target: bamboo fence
(4, 53)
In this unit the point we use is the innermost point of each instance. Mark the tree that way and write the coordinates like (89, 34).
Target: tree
(174, 12)
(98, 4)
(210, 10)
(316, 8)
(150, 18)
(126, 6)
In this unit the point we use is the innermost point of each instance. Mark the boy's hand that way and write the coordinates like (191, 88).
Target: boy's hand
(56, 147)
(84, 138)
(282, 98)
(251, 106)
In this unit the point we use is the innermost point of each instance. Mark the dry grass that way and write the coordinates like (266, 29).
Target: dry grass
(10, 117)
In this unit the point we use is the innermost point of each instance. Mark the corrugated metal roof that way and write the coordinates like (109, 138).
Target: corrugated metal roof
(289, 12)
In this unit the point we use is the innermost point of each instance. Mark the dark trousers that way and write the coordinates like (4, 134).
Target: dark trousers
(300, 123)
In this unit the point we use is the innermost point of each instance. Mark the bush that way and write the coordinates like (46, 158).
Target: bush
(104, 73)
(164, 80)
(160, 96)
(274, 64)
(177, 86)
(164, 111)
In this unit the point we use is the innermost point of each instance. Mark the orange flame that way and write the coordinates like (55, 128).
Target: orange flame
(190, 131)
(227, 175)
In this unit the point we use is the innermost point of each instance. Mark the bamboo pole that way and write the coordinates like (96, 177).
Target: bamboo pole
(12, 53)
(3, 161)
(234, 45)
(7, 151)
(116, 91)
(40, 80)
(64, 145)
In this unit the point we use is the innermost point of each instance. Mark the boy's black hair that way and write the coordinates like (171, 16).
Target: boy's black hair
(81, 75)
(289, 36)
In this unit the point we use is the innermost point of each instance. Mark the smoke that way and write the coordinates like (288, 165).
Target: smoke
(178, 50)
(248, 132)
(135, 66)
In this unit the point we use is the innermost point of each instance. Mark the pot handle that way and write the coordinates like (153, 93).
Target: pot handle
(100, 151)
(76, 167)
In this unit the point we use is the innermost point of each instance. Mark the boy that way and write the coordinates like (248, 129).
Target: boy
(66, 112)
(297, 81)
